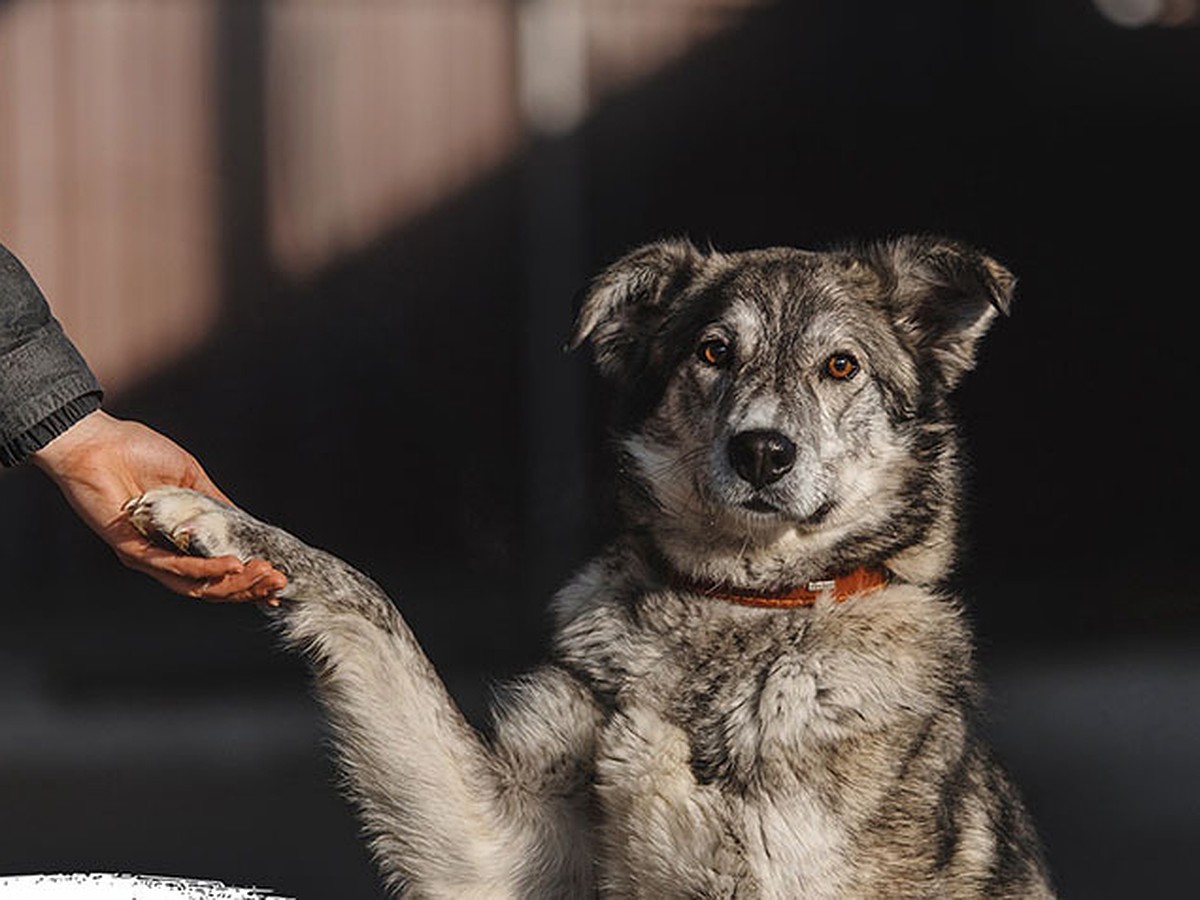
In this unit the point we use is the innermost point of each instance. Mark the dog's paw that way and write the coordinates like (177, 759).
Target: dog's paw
(187, 520)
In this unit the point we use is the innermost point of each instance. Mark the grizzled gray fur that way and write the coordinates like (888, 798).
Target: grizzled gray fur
(782, 418)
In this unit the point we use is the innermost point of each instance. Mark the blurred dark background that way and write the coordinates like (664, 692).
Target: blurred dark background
(331, 248)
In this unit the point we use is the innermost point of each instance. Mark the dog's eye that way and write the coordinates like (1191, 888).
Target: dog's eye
(714, 352)
(841, 366)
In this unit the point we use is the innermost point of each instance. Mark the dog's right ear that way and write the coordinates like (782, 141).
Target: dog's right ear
(945, 295)
(628, 300)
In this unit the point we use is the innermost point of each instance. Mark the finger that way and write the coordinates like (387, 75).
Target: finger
(264, 578)
(146, 557)
(259, 581)
(203, 568)
(188, 587)
(199, 481)
(184, 577)
(232, 588)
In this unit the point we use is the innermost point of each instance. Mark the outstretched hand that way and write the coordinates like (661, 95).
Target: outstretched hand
(101, 462)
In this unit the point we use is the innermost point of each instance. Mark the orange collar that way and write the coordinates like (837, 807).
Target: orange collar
(855, 583)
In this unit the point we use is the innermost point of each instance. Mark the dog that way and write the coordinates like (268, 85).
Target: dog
(762, 687)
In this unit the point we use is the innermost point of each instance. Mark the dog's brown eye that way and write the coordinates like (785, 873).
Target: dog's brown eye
(841, 366)
(713, 352)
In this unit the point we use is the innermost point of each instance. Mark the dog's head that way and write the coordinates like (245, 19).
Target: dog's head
(783, 411)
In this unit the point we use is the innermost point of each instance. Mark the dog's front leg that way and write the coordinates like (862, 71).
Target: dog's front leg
(444, 819)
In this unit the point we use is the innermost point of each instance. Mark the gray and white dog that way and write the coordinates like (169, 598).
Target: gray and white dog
(761, 688)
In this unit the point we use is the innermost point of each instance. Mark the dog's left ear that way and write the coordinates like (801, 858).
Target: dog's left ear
(945, 295)
(625, 302)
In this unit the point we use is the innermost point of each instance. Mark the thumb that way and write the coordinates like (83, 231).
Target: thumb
(198, 480)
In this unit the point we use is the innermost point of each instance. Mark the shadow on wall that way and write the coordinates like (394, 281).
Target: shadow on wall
(408, 406)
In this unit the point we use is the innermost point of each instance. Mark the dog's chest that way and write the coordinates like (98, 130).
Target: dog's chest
(730, 763)
(672, 826)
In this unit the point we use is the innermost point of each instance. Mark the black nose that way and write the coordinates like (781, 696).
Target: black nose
(761, 457)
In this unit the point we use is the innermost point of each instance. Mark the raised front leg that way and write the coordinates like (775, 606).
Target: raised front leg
(447, 815)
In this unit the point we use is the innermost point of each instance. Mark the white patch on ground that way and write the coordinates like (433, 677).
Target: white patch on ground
(123, 887)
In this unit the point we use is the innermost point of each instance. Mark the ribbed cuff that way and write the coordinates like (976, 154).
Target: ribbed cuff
(24, 445)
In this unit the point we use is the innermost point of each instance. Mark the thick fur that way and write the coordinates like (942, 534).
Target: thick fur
(678, 745)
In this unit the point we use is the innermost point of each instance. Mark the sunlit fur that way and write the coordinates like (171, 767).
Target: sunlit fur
(676, 744)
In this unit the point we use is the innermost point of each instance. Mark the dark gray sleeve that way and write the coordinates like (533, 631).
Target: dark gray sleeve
(45, 385)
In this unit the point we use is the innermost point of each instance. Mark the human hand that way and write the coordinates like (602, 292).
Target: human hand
(101, 462)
